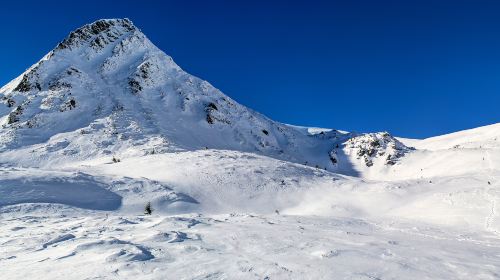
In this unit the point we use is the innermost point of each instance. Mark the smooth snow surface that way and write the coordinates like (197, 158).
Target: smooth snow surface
(106, 123)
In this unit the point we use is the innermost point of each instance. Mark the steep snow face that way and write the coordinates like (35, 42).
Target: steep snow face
(65, 90)
(106, 89)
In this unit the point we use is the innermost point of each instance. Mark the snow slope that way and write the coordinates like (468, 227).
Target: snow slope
(481, 137)
(106, 122)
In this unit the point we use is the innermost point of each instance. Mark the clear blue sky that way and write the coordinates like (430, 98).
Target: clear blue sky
(413, 68)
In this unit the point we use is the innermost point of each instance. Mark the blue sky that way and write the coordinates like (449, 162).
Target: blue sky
(413, 68)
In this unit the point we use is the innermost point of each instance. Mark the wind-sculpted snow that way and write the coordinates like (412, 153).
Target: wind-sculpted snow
(239, 246)
(79, 190)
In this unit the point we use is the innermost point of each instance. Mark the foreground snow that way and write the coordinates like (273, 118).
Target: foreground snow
(239, 246)
(232, 215)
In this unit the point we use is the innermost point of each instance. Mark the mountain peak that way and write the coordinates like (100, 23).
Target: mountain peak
(98, 33)
(106, 89)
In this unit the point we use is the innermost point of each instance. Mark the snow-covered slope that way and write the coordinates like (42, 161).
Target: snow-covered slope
(466, 153)
(481, 137)
(106, 122)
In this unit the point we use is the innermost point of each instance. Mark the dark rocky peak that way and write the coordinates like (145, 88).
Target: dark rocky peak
(97, 34)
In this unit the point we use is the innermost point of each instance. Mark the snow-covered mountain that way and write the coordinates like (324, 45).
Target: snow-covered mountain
(106, 122)
(106, 88)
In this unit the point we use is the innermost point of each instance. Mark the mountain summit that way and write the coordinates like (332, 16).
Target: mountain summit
(98, 34)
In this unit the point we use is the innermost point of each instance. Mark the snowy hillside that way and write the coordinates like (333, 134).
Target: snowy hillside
(106, 123)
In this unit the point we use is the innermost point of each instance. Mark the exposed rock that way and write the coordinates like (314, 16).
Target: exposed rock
(135, 86)
(374, 145)
(97, 34)
(14, 115)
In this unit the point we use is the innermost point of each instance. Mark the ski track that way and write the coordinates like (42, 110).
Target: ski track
(493, 212)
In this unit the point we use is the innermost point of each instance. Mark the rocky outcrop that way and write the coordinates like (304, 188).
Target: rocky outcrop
(371, 146)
